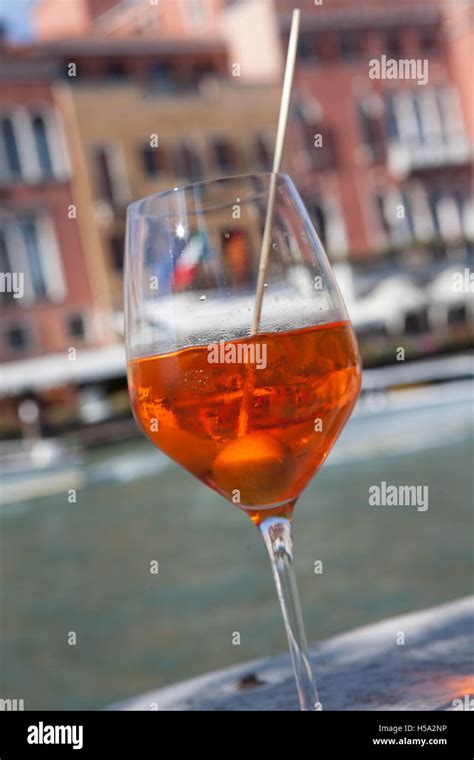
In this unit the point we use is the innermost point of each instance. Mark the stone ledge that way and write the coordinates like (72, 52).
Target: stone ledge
(364, 669)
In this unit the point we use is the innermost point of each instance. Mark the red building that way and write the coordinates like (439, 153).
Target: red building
(383, 162)
(383, 158)
(47, 299)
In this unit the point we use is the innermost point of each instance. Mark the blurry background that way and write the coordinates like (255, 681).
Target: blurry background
(106, 101)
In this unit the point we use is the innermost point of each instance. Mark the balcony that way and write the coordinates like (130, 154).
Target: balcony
(406, 157)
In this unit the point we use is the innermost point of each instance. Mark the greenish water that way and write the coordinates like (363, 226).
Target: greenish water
(85, 567)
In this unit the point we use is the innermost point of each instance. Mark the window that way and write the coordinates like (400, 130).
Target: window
(10, 147)
(457, 315)
(29, 233)
(403, 122)
(203, 70)
(66, 72)
(349, 45)
(153, 160)
(450, 113)
(321, 146)
(318, 139)
(116, 70)
(328, 221)
(76, 327)
(326, 156)
(448, 214)
(42, 147)
(428, 41)
(104, 175)
(148, 160)
(186, 161)
(116, 252)
(425, 117)
(420, 125)
(431, 123)
(307, 50)
(224, 154)
(112, 183)
(399, 228)
(392, 45)
(31, 145)
(422, 219)
(380, 207)
(263, 153)
(371, 128)
(5, 293)
(4, 262)
(416, 322)
(162, 77)
(16, 338)
(391, 119)
(468, 216)
(433, 197)
(28, 245)
(319, 220)
(408, 224)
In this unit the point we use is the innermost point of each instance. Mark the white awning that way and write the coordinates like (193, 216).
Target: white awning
(57, 370)
(387, 303)
(442, 289)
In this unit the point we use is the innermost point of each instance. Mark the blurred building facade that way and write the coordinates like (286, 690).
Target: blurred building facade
(171, 104)
(152, 133)
(137, 115)
(138, 97)
(248, 30)
(39, 238)
(384, 163)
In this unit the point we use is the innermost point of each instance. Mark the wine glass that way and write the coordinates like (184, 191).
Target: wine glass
(253, 415)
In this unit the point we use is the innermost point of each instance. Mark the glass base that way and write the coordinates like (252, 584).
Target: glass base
(259, 514)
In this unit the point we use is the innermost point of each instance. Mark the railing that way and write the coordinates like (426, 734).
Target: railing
(404, 157)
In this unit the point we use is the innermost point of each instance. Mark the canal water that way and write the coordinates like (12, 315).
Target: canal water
(85, 623)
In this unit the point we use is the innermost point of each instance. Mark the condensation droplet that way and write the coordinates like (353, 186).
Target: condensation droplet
(202, 298)
(265, 285)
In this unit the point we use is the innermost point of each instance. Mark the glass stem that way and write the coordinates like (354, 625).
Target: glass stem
(276, 533)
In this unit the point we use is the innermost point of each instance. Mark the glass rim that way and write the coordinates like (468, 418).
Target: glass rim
(190, 187)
